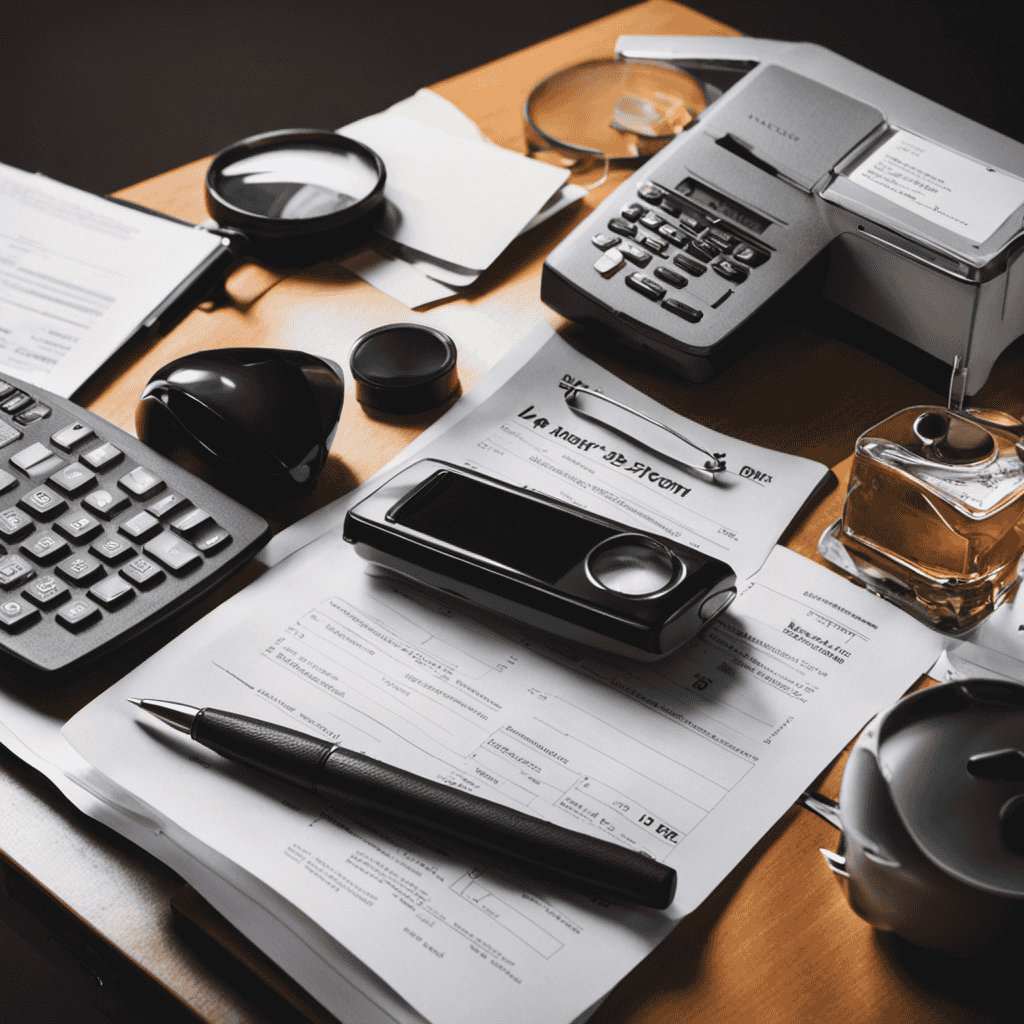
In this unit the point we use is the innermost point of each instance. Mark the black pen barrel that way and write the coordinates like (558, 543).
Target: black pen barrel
(358, 783)
(578, 861)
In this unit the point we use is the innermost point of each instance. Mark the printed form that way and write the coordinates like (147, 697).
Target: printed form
(689, 760)
(78, 276)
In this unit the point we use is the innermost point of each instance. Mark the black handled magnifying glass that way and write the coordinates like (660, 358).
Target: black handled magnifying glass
(299, 195)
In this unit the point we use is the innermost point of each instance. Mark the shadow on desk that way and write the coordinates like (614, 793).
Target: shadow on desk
(31, 991)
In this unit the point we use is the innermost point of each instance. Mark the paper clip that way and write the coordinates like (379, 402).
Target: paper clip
(639, 428)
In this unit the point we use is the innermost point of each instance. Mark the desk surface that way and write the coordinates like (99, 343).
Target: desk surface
(776, 941)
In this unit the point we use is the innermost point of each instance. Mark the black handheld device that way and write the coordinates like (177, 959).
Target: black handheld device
(539, 560)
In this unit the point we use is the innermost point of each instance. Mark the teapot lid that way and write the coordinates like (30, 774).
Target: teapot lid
(953, 758)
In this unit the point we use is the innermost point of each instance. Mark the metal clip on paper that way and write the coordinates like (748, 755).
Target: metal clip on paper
(644, 431)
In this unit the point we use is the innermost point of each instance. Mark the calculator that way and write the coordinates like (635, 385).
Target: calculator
(101, 537)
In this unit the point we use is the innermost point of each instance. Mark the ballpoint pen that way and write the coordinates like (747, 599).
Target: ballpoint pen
(355, 782)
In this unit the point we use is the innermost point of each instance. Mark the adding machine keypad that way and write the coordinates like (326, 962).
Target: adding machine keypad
(99, 536)
(688, 242)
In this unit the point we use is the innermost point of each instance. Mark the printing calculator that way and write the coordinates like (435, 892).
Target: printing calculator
(101, 538)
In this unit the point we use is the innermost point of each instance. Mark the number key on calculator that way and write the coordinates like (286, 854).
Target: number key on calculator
(101, 538)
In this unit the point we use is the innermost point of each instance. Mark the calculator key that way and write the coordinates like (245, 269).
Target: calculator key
(722, 240)
(671, 207)
(78, 615)
(670, 276)
(112, 592)
(73, 480)
(655, 245)
(645, 286)
(70, 436)
(33, 414)
(729, 270)
(143, 573)
(652, 220)
(106, 504)
(14, 524)
(635, 255)
(81, 570)
(46, 548)
(702, 250)
(168, 504)
(141, 526)
(683, 310)
(111, 549)
(47, 592)
(15, 401)
(31, 456)
(693, 221)
(5, 388)
(78, 526)
(622, 227)
(651, 193)
(689, 264)
(603, 241)
(633, 212)
(749, 256)
(141, 483)
(675, 235)
(16, 615)
(103, 457)
(173, 553)
(43, 503)
(7, 481)
(212, 539)
(36, 460)
(608, 263)
(14, 570)
(8, 434)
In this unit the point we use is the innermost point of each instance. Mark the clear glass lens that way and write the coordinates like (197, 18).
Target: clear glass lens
(618, 109)
(632, 568)
(296, 183)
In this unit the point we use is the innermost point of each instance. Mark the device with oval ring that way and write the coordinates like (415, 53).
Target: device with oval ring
(543, 562)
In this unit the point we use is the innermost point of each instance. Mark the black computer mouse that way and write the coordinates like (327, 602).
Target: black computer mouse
(257, 423)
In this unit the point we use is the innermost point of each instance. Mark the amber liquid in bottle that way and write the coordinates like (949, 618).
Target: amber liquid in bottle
(933, 513)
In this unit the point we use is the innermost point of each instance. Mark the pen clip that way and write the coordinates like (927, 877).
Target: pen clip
(641, 429)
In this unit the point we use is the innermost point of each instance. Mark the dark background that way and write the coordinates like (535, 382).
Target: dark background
(105, 93)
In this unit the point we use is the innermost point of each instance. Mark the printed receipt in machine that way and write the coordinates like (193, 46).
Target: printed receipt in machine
(799, 150)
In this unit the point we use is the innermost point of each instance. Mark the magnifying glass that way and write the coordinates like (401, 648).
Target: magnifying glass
(616, 111)
(299, 195)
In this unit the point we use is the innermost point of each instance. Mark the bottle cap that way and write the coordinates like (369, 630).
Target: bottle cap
(404, 368)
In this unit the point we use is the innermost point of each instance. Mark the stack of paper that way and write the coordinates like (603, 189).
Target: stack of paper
(455, 200)
(690, 759)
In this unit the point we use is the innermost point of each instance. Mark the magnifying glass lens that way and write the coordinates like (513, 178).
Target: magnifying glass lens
(296, 184)
(300, 195)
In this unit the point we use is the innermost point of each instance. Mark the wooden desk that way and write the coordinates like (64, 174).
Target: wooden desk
(776, 942)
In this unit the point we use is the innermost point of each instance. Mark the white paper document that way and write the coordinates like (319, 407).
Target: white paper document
(456, 199)
(689, 760)
(459, 201)
(941, 185)
(515, 425)
(79, 275)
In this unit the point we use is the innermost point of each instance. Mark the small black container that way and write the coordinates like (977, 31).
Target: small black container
(404, 368)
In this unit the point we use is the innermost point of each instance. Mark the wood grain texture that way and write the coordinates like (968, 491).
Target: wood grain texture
(776, 942)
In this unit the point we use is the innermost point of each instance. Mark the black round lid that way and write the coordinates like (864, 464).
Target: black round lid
(404, 368)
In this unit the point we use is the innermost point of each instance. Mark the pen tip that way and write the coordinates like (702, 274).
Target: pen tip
(135, 701)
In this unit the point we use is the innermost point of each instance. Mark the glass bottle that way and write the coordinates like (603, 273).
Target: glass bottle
(933, 514)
